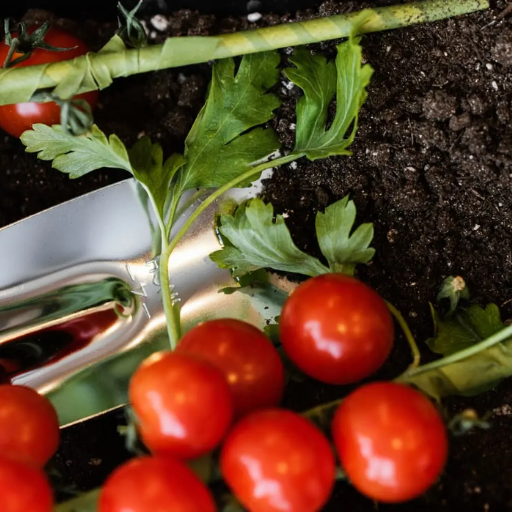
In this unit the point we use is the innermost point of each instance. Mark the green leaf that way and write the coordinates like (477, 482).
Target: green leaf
(148, 166)
(472, 375)
(259, 241)
(227, 139)
(342, 248)
(469, 377)
(74, 155)
(464, 329)
(321, 80)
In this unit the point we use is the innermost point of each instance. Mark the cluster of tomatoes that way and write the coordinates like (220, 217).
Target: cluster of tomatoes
(220, 390)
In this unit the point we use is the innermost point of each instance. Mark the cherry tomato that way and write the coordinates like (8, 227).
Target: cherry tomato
(23, 488)
(15, 119)
(150, 484)
(276, 460)
(247, 358)
(29, 426)
(336, 329)
(391, 441)
(183, 404)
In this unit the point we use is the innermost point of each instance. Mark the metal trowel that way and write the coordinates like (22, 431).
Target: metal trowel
(80, 302)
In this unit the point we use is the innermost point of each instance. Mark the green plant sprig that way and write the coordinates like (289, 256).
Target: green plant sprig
(229, 146)
(98, 70)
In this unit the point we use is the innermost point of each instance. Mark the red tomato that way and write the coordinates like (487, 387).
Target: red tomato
(336, 329)
(15, 119)
(247, 358)
(23, 488)
(29, 426)
(150, 484)
(276, 460)
(391, 441)
(183, 404)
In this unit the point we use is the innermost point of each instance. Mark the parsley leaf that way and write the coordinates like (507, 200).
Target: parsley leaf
(259, 241)
(342, 249)
(149, 169)
(474, 374)
(227, 139)
(321, 80)
(255, 240)
(464, 328)
(74, 155)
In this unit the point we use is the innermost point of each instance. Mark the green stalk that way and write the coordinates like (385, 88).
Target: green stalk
(171, 310)
(84, 503)
(222, 190)
(171, 316)
(171, 313)
(499, 337)
(415, 351)
(98, 70)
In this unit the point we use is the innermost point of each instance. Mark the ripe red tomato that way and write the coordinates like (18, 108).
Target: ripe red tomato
(149, 484)
(336, 329)
(23, 488)
(276, 460)
(247, 358)
(15, 119)
(183, 404)
(29, 426)
(391, 441)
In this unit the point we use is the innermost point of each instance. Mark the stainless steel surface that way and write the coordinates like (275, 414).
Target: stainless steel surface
(91, 256)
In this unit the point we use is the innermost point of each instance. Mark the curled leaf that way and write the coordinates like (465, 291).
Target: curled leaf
(454, 289)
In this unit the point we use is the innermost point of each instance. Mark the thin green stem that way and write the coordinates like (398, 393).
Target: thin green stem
(171, 308)
(84, 503)
(222, 190)
(172, 318)
(98, 70)
(416, 356)
(172, 213)
(320, 410)
(173, 324)
(499, 337)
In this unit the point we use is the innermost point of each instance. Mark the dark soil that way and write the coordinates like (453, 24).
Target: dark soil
(431, 167)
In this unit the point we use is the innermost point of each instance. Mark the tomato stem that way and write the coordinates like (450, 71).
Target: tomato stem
(86, 502)
(416, 355)
(322, 412)
(499, 337)
(98, 70)
(13, 48)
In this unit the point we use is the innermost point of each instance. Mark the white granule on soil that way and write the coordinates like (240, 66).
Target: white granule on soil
(504, 410)
(160, 22)
(254, 16)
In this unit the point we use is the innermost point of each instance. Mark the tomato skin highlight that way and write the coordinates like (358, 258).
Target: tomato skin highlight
(277, 461)
(336, 329)
(183, 404)
(154, 484)
(249, 361)
(23, 488)
(17, 118)
(391, 441)
(29, 426)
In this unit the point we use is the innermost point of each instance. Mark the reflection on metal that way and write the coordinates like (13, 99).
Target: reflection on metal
(80, 302)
